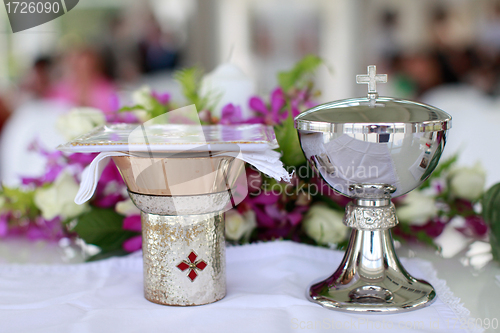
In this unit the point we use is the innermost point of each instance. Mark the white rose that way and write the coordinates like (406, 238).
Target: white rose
(467, 182)
(324, 224)
(142, 115)
(127, 208)
(417, 208)
(58, 199)
(238, 225)
(142, 97)
(79, 121)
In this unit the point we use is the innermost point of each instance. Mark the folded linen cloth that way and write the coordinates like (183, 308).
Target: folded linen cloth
(267, 161)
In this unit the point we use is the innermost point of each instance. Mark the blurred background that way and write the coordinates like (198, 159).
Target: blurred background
(445, 53)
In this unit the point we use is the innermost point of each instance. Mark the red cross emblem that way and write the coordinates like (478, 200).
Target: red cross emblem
(192, 265)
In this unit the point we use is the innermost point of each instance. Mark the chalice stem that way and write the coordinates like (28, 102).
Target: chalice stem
(370, 277)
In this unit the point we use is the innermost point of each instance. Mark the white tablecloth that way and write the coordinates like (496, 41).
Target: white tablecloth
(266, 286)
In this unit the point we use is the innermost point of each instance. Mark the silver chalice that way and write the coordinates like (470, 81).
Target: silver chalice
(372, 149)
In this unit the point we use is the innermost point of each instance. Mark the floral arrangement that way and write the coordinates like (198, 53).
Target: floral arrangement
(304, 210)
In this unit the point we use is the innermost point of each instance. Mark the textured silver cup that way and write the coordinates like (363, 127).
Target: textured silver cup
(184, 251)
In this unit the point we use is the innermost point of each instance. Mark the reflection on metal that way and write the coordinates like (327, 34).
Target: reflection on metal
(370, 278)
(372, 149)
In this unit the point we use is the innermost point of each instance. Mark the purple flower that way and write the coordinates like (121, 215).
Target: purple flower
(326, 190)
(433, 228)
(110, 188)
(271, 115)
(474, 227)
(254, 179)
(133, 244)
(132, 223)
(231, 114)
(56, 162)
(4, 225)
(41, 229)
(81, 159)
(163, 99)
(271, 212)
(477, 225)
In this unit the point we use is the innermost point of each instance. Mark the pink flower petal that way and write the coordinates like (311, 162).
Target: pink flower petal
(274, 212)
(81, 159)
(132, 223)
(107, 201)
(277, 100)
(231, 114)
(257, 104)
(133, 244)
(110, 173)
(161, 98)
(477, 225)
(294, 218)
(255, 120)
(263, 220)
(266, 198)
(4, 225)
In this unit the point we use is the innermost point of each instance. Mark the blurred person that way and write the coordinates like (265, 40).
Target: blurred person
(423, 70)
(485, 78)
(489, 32)
(386, 42)
(444, 50)
(121, 52)
(38, 80)
(83, 81)
(159, 50)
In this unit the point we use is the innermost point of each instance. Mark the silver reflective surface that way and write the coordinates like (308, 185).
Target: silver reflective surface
(402, 160)
(370, 278)
(368, 115)
(372, 149)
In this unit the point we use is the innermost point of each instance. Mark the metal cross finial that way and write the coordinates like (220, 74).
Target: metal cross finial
(371, 80)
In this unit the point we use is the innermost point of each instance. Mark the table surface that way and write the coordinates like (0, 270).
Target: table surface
(478, 289)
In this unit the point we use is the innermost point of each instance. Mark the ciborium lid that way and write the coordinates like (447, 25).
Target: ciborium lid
(373, 114)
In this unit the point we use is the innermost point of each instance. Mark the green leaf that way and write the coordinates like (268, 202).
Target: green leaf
(190, 80)
(20, 200)
(103, 227)
(343, 245)
(131, 108)
(332, 204)
(491, 214)
(490, 203)
(426, 239)
(296, 76)
(495, 246)
(288, 140)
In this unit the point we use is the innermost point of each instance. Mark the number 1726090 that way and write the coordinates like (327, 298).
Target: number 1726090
(32, 7)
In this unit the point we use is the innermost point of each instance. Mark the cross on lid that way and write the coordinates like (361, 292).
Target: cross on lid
(371, 80)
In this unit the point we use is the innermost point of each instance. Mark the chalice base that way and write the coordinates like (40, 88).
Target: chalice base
(370, 278)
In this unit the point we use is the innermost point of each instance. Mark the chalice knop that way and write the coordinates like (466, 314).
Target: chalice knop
(372, 149)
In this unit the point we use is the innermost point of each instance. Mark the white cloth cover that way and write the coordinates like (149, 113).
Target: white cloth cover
(267, 161)
(266, 286)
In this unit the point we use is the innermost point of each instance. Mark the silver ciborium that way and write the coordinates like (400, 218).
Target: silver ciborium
(372, 149)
